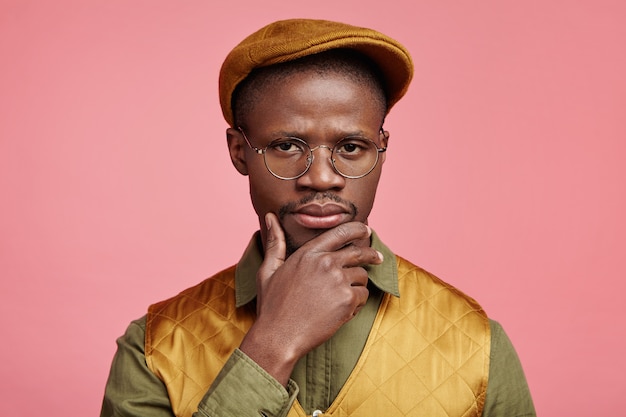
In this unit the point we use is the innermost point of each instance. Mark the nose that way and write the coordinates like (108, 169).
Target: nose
(321, 174)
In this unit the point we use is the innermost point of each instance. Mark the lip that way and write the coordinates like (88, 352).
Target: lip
(321, 216)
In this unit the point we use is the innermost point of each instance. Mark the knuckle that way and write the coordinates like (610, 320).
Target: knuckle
(351, 230)
(323, 263)
(326, 262)
(362, 277)
(358, 295)
(272, 241)
(355, 251)
(363, 254)
(342, 232)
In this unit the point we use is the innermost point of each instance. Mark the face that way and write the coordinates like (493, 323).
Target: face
(321, 109)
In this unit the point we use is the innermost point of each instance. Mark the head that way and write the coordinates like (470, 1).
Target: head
(321, 98)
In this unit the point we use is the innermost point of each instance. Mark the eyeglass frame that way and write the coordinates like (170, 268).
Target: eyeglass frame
(262, 151)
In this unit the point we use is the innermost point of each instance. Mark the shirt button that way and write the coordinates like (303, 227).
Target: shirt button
(317, 413)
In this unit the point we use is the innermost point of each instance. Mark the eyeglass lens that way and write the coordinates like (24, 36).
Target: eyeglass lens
(352, 157)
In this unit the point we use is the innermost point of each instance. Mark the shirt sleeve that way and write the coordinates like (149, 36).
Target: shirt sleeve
(132, 389)
(507, 390)
(264, 396)
(241, 388)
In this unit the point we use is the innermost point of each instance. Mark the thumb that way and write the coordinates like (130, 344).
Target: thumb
(275, 247)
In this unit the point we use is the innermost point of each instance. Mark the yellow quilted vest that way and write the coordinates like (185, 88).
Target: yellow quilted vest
(427, 353)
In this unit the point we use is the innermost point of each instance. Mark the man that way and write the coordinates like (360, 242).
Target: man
(319, 317)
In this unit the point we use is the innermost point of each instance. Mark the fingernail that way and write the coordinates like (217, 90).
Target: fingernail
(380, 256)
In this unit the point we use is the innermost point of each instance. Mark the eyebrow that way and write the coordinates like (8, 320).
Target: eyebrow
(283, 133)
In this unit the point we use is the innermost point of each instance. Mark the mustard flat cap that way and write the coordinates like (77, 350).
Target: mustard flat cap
(286, 40)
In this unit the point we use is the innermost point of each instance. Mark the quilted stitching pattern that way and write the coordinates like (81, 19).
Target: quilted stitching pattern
(190, 337)
(440, 370)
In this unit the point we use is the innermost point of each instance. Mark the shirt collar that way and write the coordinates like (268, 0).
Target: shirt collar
(383, 276)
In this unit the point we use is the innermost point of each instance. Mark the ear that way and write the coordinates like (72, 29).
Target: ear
(237, 148)
(383, 135)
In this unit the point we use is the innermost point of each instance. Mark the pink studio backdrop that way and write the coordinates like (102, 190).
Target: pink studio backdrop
(505, 177)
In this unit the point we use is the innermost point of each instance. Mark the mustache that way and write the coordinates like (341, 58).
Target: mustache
(315, 196)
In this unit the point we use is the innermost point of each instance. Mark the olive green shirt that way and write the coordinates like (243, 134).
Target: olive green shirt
(243, 388)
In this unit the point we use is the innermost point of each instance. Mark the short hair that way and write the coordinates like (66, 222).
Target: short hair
(350, 63)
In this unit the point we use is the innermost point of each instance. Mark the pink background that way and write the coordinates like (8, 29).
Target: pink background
(505, 176)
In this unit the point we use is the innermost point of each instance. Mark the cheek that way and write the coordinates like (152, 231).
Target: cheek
(266, 192)
(363, 194)
(259, 196)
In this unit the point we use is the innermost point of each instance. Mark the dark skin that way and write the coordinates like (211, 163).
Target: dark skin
(312, 279)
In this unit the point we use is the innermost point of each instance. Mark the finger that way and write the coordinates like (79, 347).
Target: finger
(360, 306)
(357, 276)
(340, 236)
(275, 247)
(353, 255)
(361, 294)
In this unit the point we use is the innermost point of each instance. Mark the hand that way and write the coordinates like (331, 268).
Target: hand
(304, 300)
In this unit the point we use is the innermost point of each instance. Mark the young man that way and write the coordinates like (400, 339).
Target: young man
(319, 317)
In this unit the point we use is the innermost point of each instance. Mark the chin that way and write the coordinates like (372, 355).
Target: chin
(294, 243)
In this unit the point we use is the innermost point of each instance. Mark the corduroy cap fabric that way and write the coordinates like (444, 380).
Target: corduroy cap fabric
(287, 40)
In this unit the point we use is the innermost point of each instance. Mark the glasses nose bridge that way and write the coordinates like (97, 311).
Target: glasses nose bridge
(311, 157)
(321, 146)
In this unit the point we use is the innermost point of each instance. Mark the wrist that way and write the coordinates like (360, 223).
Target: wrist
(270, 353)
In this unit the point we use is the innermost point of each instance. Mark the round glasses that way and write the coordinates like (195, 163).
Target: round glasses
(289, 157)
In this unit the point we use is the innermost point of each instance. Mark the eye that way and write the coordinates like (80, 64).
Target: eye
(287, 146)
(352, 147)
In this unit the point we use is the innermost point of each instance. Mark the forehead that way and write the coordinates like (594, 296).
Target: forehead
(315, 106)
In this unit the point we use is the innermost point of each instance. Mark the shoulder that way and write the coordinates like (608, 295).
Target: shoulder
(219, 284)
(211, 301)
(416, 281)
